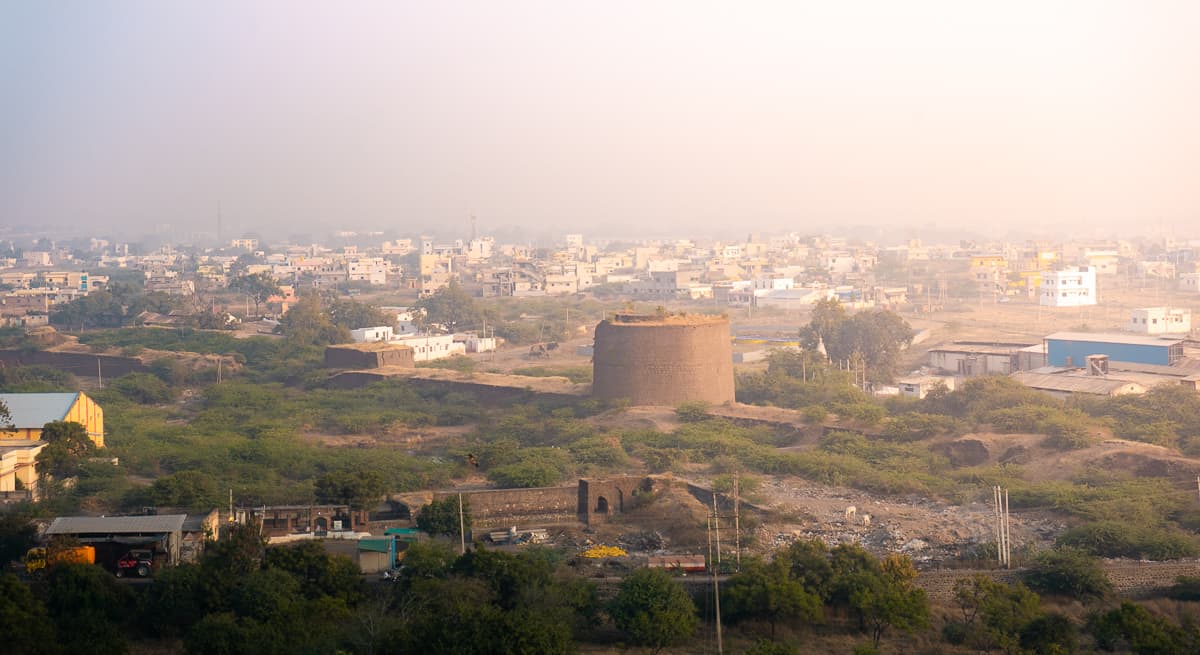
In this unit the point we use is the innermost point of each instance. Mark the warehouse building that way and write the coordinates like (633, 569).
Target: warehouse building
(1073, 348)
(32, 411)
(114, 536)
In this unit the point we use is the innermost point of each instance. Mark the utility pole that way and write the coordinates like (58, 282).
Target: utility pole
(716, 572)
(1003, 527)
(462, 528)
(1007, 533)
(100, 373)
(737, 520)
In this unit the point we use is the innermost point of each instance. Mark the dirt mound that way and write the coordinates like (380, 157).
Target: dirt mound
(662, 419)
(1043, 463)
(965, 452)
(673, 514)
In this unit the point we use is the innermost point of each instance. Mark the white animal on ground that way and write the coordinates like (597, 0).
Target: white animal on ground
(866, 519)
(850, 512)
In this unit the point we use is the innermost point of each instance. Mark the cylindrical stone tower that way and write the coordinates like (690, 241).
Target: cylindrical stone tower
(663, 360)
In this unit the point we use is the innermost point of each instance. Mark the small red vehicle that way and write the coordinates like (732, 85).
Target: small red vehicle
(136, 562)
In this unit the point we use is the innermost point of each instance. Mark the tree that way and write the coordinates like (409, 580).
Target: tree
(258, 287)
(442, 516)
(450, 307)
(653, 610)
(1049, 634)
(191, 489)
(68, 443)
(808, 562)
(143, 388)
(826, 322)
(1069, 572)
(320, 574)
(1141, 632)
(88, 607)
(97, 309)
(874, 338)
(769, 592)
(995, 615)
(354, 315)
(307, 323)
(361, 490)
(17, 535)
(23, 620)
(889, 599)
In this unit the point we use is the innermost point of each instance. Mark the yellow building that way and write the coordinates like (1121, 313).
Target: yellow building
(31, 411)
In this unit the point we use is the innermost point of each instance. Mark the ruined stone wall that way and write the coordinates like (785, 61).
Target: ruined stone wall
(502, 508)
(601, 498)
(350, 357)
(664, 362)
(78, 364)
(485, 393)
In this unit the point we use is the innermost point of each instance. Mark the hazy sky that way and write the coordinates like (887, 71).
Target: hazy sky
(306, 115)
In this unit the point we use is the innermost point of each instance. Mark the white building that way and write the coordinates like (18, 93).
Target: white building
(432, 346)
(478, 344)
(1071, 287)
(380, 333)
(920, 386)
(1189, 282)
(372, 270)
(1161, 320)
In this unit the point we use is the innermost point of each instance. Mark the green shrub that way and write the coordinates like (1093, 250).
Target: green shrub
(917, 426)
(692, 412)
(814, 414)
(1123, 539)
(1068, 572)
(143, 388)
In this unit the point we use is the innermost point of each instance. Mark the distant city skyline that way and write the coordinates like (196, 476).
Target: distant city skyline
(669, 118)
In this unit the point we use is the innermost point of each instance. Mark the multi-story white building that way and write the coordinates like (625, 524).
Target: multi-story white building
(372, 270)
(1070, 287)
(1189, 282)
(1161, 320)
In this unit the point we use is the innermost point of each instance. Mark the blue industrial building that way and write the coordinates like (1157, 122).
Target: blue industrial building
(1073, 348)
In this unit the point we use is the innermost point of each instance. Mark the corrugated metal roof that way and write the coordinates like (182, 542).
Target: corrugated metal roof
(33, 410)
(116, 524)
(1071, 383)
(376, 545)
(1101, 337)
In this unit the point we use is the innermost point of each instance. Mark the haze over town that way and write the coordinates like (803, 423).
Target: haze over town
(621, 119)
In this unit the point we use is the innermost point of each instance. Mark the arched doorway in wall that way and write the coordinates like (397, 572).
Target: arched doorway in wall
(620, 501)
(601, 505)
(321, 524)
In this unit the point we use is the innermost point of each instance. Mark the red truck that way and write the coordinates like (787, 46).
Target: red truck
(136, 562)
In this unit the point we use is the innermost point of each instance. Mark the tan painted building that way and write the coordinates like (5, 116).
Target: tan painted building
(18, 470)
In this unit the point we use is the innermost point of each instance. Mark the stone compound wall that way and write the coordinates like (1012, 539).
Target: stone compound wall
(1130, 579)
(588, 501)
(663, 361)
(502, 508)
